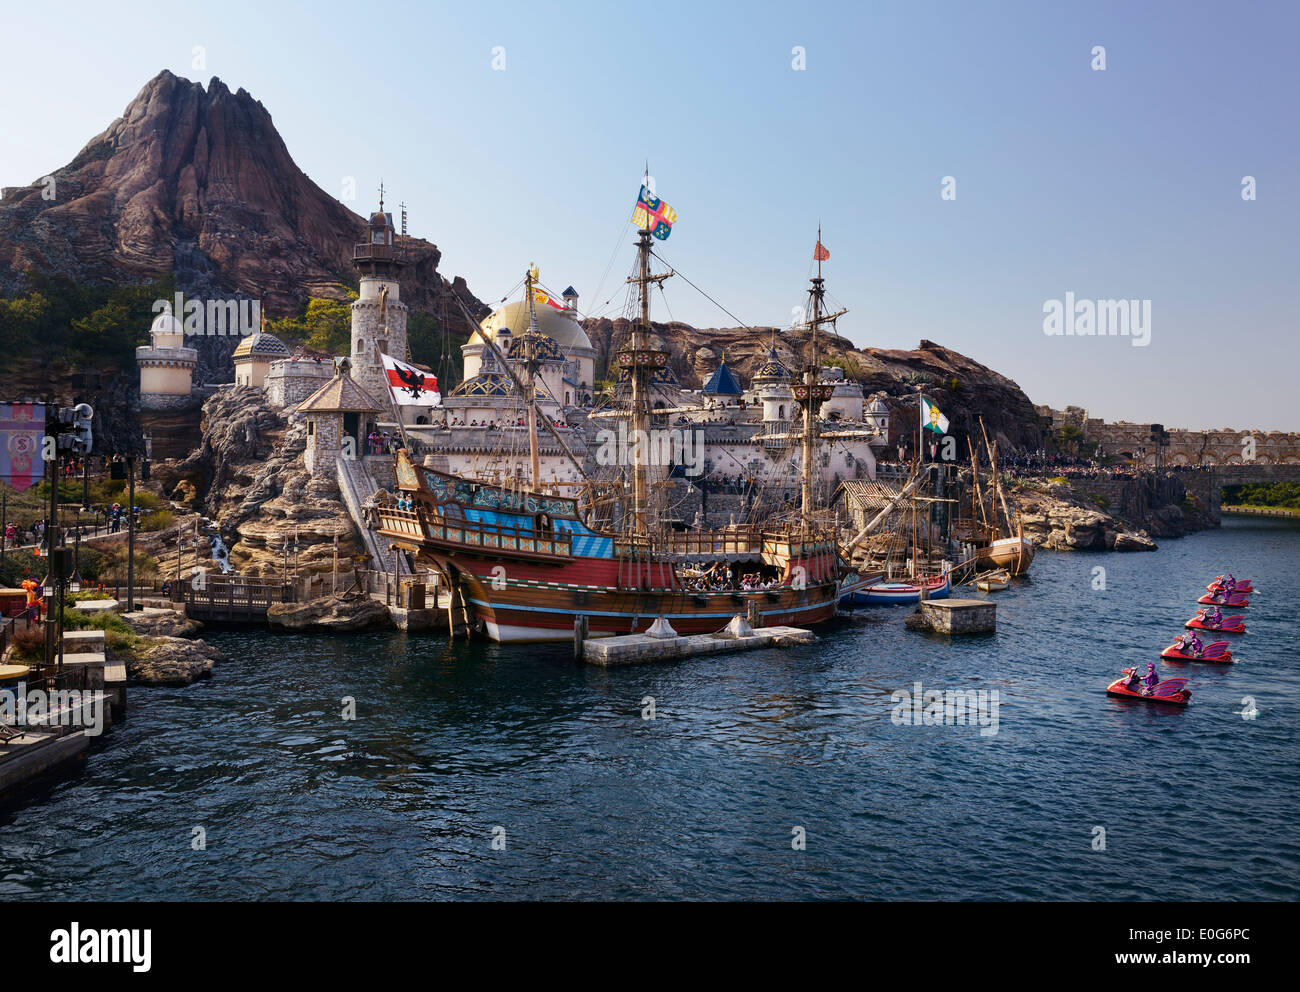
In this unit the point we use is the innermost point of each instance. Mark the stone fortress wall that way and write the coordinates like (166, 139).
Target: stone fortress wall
(1222, 446)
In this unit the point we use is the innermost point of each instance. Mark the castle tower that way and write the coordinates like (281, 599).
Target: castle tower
(379, 316)
(166, 366)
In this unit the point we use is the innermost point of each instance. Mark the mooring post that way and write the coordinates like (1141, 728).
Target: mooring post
(579, 635)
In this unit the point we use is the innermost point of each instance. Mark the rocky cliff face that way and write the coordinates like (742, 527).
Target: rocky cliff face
(964, 389)
(199, 183)
(250, 472)
(1107, 515)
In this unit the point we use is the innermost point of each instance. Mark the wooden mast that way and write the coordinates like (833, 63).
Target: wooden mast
(642, 362)
(813, 394)
(640, 418)
(530, 363)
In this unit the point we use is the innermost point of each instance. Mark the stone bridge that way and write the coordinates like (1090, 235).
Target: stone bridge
(1250, 473)
(1154, 446)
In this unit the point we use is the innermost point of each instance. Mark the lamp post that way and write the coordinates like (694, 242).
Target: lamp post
(130, 534)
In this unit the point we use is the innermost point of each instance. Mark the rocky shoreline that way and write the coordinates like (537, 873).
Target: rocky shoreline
(169, 652)
(1107, 515)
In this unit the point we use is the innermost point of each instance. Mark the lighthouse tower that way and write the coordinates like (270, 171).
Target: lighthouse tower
(379, 316)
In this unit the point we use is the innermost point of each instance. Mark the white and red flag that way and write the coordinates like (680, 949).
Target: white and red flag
(408, 385)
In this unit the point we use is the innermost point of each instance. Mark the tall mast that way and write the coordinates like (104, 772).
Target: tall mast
(641, 362)
(530, 363)
(812, 393)
(640, 418)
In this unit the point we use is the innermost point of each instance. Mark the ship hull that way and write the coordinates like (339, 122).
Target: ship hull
(531, 611)
(1015, 554)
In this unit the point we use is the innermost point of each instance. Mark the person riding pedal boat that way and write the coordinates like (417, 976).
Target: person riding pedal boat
(1189, 643)
(1211, 617)
(1151, 680)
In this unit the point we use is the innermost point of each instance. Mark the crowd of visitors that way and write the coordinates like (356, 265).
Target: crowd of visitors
(718, 578)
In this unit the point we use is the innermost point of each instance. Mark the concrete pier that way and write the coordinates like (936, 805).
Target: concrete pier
(37, 753)
(86, 647)
(636, 649)
(954, 616)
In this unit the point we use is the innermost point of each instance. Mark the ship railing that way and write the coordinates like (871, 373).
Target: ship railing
(475, 534)
(738, 541)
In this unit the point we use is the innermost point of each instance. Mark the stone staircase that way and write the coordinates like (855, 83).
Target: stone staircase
(357, 485)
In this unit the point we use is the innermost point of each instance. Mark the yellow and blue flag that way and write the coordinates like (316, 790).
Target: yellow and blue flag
(653, 215)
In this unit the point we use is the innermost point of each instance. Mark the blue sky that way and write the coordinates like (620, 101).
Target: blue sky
(1123, 183)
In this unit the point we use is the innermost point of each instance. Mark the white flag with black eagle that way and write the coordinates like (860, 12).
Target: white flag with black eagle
(408, 385)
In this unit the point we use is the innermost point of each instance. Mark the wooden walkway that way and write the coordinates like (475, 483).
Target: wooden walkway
(237, 601)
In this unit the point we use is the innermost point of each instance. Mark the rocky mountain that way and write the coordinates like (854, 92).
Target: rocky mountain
(964, 389)
(198, 183)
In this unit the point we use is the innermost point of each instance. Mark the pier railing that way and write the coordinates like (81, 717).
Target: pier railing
(11, 626)
(242, 599)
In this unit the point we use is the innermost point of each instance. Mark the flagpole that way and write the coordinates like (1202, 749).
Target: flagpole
(397, 407)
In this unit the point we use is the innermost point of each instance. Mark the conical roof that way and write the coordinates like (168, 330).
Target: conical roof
(340, 395)
(723, 382)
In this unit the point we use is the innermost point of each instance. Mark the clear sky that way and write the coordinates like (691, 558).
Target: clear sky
(1122, 183)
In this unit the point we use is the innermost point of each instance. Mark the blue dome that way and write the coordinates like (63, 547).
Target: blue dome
(773, 368)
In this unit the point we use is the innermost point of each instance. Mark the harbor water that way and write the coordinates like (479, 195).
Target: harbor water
(476, 771)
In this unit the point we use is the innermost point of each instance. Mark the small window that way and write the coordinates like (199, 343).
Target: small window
(311, 428)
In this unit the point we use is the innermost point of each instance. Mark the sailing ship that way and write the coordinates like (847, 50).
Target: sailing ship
(996, 548)
(522, 560)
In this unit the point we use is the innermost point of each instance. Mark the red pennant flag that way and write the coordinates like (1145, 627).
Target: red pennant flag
(820, 254)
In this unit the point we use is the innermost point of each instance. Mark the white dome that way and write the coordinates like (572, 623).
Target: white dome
(557, 324)
(167, 323)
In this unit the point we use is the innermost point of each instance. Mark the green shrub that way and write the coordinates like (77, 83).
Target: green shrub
(161, 520)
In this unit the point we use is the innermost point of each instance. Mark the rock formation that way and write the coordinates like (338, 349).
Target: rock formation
(199, 183)
(1076, 516)
(172, 661)
(250, 471)
(341, 614)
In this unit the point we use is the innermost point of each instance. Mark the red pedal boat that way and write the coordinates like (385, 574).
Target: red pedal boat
(1236, 600)
(1228, 625)
(1171, 692)
(1217, 652)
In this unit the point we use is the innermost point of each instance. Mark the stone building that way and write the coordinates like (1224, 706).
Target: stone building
(378, 315)
(253, 358)
(291, 380)
(573, 385)
(338, 411)
(166, 366)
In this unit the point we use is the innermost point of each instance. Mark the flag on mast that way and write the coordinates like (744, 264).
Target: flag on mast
(408, 385)
(820, 253)
(931, 418)
(541, 296)
(653, 215)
